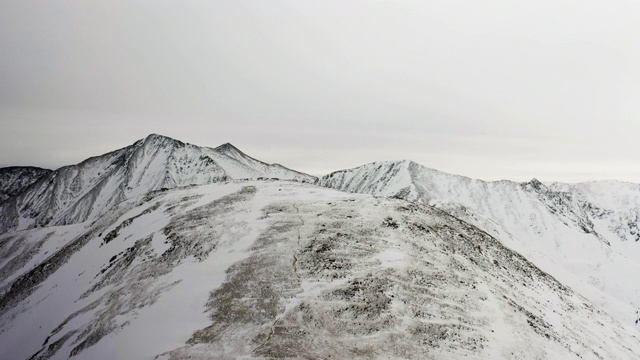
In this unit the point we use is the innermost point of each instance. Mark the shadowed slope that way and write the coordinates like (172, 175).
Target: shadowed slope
(15, 179)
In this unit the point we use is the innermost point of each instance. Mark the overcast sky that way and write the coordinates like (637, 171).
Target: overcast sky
(489, 89)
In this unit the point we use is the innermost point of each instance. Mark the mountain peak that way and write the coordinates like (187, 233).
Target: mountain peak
(227, 147)
(152, 163)
(233, 152)
(159, 139)
(535, 184)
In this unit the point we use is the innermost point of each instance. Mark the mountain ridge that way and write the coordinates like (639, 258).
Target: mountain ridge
(76, 193)
(280, 269)
(402, 262)
(16, 179)
(555, 211)
(576, 232)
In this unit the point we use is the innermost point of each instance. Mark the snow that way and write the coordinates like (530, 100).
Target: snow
(85, 191)
(392, 258)
(424, 263)
(14, 180)
(546, 224)
(168, 249)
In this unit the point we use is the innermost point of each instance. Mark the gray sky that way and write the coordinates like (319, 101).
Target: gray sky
(488, 89)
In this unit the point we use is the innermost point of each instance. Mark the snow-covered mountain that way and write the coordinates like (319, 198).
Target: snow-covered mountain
(614, 207)
(168, 250)
(15, 179)
(278, 269)
(76, 193)
(586, 235)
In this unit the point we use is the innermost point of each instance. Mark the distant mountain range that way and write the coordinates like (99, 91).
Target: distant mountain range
(77, 193)
(169, 250)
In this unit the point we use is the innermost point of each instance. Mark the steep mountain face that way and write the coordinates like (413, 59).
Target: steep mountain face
(614, 208)
(85, 191)
(585, 235)
(257, 269)
(15, 179)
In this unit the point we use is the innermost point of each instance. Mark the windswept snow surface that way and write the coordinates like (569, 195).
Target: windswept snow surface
(280, 269)
(85, 191)
(585, 235)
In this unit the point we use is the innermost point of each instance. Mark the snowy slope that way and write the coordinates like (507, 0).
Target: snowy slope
(614, 207)
(87, 190)
(15, 179)
(584, 235)
(275, 269)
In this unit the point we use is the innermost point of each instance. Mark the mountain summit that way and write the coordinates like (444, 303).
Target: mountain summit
(84, 191)
(229, 149)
